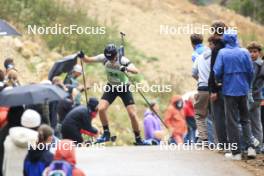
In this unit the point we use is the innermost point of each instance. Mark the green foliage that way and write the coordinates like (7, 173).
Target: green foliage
(43, 13)
(253, 9)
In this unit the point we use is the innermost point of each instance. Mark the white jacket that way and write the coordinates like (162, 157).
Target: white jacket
(16, 149)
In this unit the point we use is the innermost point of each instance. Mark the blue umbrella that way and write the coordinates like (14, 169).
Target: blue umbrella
(31, 94)
(6, 29)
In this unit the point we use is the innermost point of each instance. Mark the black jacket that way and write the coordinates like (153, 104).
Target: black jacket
(79, 118)
(213, 88)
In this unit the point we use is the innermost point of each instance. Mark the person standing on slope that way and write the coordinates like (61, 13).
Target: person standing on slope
(117, 86)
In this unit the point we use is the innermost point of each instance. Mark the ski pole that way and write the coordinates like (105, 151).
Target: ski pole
(146, 100)
(84, 82)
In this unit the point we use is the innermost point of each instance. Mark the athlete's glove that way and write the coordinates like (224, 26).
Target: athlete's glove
(81, 54)
(123, 68)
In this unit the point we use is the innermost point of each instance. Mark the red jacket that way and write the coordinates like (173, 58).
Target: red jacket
(188, 109)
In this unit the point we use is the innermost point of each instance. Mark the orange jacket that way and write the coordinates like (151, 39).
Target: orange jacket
(175, 119)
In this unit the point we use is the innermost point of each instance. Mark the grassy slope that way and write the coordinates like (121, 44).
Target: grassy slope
(141, 21)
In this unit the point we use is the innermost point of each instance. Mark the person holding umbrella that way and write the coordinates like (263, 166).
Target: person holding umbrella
(118, 83)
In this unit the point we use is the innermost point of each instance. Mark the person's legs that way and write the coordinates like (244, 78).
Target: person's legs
(129, 103)
(244, 119)
(232, 122)
(201, 110)
(131, 110)
(107, 99)
(219, 119)
(255, 121)
(72, 133)
(102, 108)
(262, 121)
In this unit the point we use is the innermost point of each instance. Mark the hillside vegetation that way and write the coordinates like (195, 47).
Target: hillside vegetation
(162, 58)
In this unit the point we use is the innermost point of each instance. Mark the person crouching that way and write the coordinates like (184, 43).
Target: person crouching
(175, 120)
(79, 121)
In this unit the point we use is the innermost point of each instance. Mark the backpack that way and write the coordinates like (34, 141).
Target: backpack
(60, 168)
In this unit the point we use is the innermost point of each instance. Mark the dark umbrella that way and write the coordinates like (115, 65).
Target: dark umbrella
(64, 65)
(6, 29)
(31, 94)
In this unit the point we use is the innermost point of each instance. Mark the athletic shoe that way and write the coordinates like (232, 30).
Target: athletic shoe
(255, 142)
(140, 141)
(104, 138)
(251, 153)
(236, 157)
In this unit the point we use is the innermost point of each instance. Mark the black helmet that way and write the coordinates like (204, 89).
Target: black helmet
(110, 51)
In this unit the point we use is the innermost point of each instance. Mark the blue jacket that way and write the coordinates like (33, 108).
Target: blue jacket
(198, 49)
(36, 161)
(233, 67)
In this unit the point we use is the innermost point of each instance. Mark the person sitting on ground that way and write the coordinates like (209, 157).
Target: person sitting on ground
(64, 162)
(79, 121)
(175, 119)
(255, 96)
(16, 143)
(39, 157)
(152, 124)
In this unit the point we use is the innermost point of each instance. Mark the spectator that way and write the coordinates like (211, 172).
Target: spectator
(13, 120)
(256, 92)
(71, 78)
(12, 79)
(64, 161)
(189, 114)
(39, 158)
(2, 80)
(216, 98)
(197, 44)
(201, 72)
(9, 64)
(175, 119)
(152, 124)
(16, 143)
(79, 120)
(234, 69)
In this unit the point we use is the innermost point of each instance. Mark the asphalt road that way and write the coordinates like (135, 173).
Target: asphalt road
(154, 161)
